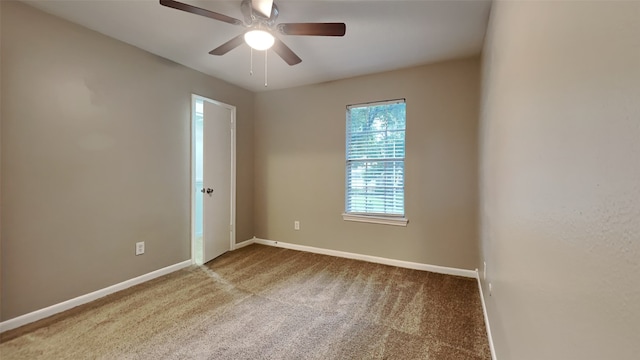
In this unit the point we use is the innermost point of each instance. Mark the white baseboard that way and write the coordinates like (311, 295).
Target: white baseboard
(486, 318)
(369, 258)
(243, 244)
(83, 299)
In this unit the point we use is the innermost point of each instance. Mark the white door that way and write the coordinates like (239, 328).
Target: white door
(218, 168)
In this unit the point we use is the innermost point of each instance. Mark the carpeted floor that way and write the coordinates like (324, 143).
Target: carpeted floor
(261, 302)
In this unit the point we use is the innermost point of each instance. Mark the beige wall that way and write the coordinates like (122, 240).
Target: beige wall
(560, 179)
(96, 156)
(0, 166)
(300, 155)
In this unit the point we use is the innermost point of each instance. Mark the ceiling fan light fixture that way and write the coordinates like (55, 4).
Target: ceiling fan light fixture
(259, 39)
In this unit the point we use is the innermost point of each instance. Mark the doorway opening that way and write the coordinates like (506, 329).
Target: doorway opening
(212, 179)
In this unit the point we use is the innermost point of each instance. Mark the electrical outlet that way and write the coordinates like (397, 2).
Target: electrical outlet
(140, 248)
(484, 272)
(296, 225)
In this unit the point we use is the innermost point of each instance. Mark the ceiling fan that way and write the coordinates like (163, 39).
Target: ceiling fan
(260, 23)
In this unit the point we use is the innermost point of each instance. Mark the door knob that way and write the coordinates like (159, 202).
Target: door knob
(209, 191)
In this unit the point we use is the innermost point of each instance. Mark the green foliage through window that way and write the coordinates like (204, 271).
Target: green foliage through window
(375, 158)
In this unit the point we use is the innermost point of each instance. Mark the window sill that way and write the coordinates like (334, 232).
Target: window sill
(395, 221)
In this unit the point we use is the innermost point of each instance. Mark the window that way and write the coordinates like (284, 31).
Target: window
(375, 162)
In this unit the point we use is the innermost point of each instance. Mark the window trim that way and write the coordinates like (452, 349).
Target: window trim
(376, 219)
(384, 219)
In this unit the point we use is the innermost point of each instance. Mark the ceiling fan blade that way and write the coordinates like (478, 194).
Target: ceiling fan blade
(285, 53)
(200, 11)
(228, 46)
(263, 7)
(313, 29)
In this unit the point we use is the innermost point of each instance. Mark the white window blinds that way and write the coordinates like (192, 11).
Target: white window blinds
(375, 158)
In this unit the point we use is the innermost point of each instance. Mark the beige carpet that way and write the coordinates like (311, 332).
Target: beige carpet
(262, 302)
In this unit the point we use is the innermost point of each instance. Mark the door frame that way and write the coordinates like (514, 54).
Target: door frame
(232, 205)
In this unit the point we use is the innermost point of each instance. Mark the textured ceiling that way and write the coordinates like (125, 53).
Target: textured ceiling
(381, 35)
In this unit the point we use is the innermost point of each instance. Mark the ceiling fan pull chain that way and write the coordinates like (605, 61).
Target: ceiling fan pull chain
(251, 62)
(265, 68)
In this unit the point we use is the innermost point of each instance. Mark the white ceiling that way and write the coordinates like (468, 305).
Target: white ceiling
(381, 35)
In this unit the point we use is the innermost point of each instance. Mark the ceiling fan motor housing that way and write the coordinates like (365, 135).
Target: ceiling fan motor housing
(251, 16)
